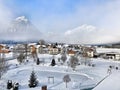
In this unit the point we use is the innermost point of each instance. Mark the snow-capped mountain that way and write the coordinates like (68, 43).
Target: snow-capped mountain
(21, 24)
(22, 18)
(21, 29)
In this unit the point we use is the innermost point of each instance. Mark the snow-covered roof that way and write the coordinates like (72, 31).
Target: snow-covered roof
(32, 44)
(107, 50)
(59, 46)
(41, 45)
(66, 45)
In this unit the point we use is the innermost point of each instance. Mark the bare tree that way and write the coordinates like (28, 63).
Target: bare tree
(63, 50)
(34, 53)
(20, 48)
(63, 58)
(3, 64)
(85, 60)
(26, 50)
(42, 42)
(73, 62)
(21, 58)
(66, 79)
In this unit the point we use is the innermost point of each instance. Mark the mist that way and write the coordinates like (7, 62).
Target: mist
(92, 23)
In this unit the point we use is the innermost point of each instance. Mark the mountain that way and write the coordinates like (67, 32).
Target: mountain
(21, 29)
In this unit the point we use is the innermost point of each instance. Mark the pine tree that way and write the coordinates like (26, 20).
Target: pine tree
(38, 61)
(53, 63)
(16, 86)
(33, 80)
(9, 84)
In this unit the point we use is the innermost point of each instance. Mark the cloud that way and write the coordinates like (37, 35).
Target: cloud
(101, 14)
(5, 16)
(88, 34)
(110, 16)
(84, 34)
(96, 23)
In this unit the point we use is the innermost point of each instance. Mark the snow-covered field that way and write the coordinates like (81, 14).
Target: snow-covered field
(83, 77)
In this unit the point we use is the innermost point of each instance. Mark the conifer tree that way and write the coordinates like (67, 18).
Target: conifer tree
(9, 84)
(53, 63)
(38, 61)
(33, 80)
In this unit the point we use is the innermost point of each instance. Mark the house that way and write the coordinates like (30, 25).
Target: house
(3, 52)
(42, 49)
(71, 52)
(112, 55)
(3, 49)
(19, 48)
(1, 46)
(108, 53)
(32, 48)
(52, 49)
(88, 51)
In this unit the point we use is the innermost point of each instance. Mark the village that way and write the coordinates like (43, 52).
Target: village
(75, 62)
(42, 47)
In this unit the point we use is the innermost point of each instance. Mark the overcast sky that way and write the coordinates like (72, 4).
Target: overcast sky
(71, 21)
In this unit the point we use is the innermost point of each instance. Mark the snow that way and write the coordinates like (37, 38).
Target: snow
(9, 55)
(22, 18)
(83, 77)
(107, 50)
(110, 83)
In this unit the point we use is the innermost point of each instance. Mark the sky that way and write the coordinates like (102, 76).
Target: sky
(70, 21)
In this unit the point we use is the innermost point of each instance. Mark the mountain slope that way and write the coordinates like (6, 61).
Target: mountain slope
(21, 29)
